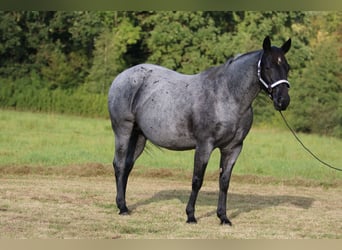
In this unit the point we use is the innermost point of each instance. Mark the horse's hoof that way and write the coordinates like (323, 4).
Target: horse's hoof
(226, 221)
(191, 220)
(124, 211)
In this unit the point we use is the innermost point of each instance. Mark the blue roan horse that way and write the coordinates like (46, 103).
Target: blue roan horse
(205, 111)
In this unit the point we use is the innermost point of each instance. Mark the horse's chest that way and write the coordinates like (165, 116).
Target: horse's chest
(230, 127)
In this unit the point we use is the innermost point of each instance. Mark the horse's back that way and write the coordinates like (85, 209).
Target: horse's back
(133, 78)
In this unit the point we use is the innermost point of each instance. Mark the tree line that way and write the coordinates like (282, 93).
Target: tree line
(65, 61)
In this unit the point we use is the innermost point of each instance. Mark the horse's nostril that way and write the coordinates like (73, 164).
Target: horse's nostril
(280, 103)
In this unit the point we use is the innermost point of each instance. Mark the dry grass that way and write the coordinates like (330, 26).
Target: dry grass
(53, 205)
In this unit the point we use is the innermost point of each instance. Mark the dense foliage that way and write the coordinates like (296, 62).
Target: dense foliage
(65, 61)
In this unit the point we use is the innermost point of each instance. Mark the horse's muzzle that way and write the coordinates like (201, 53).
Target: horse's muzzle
(281, 103)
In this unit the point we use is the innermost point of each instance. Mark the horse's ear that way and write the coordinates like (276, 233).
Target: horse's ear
(286, 46)
(266, 44)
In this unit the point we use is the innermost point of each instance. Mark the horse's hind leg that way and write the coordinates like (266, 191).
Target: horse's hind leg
(129, 144)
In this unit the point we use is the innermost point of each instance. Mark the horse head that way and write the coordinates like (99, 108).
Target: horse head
(273, 71)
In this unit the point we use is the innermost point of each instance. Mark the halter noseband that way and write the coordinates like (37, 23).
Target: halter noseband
(269, 87)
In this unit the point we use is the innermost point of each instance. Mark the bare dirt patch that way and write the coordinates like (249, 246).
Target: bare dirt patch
(81, 170)
(98, 170)
(56, 206)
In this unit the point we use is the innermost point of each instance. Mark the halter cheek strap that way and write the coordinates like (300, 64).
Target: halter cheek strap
(269, 87)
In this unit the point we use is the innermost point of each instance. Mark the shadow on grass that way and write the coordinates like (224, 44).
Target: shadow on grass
(237, 203)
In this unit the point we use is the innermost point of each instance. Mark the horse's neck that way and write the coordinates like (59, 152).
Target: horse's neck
(242, 78)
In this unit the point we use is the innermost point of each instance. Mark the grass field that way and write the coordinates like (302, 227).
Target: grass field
(56, 181)
(35, 206)
(39, 140)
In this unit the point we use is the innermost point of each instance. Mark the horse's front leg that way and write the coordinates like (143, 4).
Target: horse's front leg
(228, 159)
(202, 155)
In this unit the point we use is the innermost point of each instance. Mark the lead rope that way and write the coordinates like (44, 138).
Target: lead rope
(308, 150)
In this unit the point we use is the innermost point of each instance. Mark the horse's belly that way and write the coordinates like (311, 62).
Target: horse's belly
(174, 144)
(167, 133)
(166, 125)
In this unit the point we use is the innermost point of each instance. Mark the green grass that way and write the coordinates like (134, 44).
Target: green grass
(53, 140)
(39, 139)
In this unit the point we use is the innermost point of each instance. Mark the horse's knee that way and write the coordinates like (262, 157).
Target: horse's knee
(196, 183)
(224, 183)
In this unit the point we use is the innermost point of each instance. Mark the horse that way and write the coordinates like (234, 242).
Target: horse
(205, 111)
